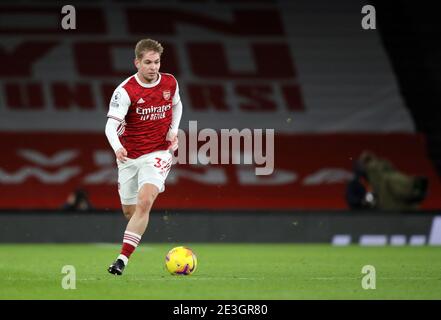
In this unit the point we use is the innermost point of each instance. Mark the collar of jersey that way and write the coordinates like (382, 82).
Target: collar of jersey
(147, 85)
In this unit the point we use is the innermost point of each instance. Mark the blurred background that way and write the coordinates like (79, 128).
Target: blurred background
(356, 114)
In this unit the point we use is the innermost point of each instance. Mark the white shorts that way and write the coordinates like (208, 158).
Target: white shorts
(151, 168)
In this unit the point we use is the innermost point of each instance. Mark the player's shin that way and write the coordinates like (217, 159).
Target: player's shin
(132, 236)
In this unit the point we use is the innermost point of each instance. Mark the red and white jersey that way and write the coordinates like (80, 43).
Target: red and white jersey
(145, 113)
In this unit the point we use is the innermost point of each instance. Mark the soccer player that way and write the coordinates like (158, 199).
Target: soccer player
(142, 126)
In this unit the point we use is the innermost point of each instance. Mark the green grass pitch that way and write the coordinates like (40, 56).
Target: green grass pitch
(225, 271)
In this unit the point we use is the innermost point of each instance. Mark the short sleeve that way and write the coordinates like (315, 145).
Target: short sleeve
(119, 104)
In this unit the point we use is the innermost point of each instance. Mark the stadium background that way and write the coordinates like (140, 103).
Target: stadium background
(306, 69)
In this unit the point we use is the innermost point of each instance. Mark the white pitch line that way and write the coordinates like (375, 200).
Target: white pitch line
(335, 278)
(382, 278)
(410, 278)
(106, 277)
(118, 246)
(177, 278)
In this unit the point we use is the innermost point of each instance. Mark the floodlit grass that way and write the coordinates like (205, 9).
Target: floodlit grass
(225, 271)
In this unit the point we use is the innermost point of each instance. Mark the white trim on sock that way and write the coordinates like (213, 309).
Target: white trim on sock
(124, 259)
(130, 242)
(131, 238)
(133, 234)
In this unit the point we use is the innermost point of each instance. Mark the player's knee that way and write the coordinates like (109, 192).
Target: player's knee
(128, 212)
(145, 202)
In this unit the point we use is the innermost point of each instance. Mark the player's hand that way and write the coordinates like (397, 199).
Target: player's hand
(173, 138)
(121, 154)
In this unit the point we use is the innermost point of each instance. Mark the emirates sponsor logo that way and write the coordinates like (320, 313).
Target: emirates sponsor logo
(153, 109)
(153, 113)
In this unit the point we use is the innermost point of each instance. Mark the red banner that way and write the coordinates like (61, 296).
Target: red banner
(311, 171)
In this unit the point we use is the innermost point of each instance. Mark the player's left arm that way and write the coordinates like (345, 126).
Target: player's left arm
(172, 135)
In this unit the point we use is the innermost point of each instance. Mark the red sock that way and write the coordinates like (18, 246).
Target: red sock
(130, 242)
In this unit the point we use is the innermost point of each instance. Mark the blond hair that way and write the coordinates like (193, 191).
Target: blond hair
(147, 45)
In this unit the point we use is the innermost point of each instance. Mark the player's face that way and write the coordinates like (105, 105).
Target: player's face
(148, 65)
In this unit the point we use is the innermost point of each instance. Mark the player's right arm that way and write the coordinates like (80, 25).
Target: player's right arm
(119, 105)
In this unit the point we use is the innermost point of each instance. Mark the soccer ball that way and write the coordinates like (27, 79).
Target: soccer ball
(181, 261)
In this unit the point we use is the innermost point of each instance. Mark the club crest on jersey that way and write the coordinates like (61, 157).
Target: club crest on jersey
(166, 94)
